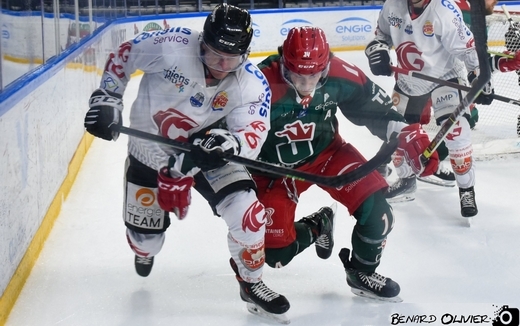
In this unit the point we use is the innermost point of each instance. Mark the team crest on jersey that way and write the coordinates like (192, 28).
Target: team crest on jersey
(197, 100)
(408, 29)
(409, 56)
(428, 29)
(220, 101)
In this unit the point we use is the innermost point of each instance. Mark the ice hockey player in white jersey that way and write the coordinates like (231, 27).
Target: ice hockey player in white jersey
(431, 37)
(199, 88)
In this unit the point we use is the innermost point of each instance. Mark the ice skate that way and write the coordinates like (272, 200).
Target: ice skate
(443, 177)
(468, 206)
(322, 224)
(369, 284)
(143, 265)
(384, 170)
(261, 300)
(402, 190)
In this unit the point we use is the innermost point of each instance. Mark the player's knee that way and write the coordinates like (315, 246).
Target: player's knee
(375, 219)
(145, 244)
(244, 216)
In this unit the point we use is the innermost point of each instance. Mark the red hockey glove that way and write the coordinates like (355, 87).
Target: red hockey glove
(174, 194)
(505, 64)
(413, 140)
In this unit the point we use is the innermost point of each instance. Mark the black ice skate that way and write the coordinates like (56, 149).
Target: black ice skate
(143, 265)
(369, 284)
(261, 300)
(468, 206)
(443, 177)
(402, 190)
(322, 224)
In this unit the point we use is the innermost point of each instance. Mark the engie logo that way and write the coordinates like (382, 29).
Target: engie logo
(286, 27)
(354, 28)
(256, 30)
(354, 25)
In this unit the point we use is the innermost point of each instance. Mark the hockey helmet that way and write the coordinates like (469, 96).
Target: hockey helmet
(306, 51)
(228, 29)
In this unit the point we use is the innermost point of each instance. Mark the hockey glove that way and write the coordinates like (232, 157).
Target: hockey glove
(205, 154)
(487, 94)
(378, 54)
(505, 64)
(413, 140)
(174, 194)
(513, 38)
(103, 119)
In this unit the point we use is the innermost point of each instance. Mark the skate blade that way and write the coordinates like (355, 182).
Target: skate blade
(256, 310)
(370, 295)
(437, 182)
(401, 199)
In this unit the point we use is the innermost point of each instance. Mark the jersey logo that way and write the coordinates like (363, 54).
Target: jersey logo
(297, 131)
(409, 56)
(254, 218)
(220, 101)
(174, 125)
(428, 29)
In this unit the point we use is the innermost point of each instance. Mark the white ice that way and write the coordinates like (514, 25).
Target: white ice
(447, 269)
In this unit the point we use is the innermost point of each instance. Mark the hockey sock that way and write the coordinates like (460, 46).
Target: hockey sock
(374, 222)
(279, 257)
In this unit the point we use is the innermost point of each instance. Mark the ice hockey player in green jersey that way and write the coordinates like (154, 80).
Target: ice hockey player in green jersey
(310, 87)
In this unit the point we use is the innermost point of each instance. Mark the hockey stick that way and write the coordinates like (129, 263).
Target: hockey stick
(328, 181)
(450, 84)
(478, 27)
(508, 16)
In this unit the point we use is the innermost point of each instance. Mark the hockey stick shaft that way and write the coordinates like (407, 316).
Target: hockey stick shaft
(450, 84)
(328, 181)
(478, 24)
(508, 16)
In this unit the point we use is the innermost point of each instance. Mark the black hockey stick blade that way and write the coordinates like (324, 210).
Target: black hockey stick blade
(450, 84)
(328, 181)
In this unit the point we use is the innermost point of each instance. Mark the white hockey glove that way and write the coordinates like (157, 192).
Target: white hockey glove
(205, 155)
(103, 119)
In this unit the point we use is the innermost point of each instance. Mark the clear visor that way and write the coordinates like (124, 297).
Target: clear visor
(305, 84)
(219, 60)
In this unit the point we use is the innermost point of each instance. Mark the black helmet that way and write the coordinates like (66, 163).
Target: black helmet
(228, 29)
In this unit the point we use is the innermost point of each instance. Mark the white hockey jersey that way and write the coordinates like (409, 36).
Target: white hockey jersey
(437, 43)
(173, 100)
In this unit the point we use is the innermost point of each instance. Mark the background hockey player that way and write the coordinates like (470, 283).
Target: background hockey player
(191, 89)
(415, 46)
(309, 85)
(431, 37)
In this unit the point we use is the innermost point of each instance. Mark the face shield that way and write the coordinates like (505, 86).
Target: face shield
(305, 84)
(220, 61)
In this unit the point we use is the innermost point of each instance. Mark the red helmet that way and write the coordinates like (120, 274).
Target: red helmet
(306, 50)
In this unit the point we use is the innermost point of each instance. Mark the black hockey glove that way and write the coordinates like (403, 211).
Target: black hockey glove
(103, 119)
(378, 54)
(487, 94)
(205, 155)
(513, 38)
